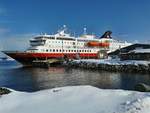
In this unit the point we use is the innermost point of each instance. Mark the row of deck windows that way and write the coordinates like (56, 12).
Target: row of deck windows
(60, 50)
(66, 42)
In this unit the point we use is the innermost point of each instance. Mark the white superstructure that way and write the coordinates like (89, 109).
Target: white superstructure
(62, 42)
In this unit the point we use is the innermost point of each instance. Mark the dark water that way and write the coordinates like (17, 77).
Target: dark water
(14, 76)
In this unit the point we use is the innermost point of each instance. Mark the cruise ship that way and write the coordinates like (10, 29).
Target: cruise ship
(62, 44)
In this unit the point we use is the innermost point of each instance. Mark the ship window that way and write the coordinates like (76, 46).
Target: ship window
(56, 50)
(50, 50)
(60, 50)
(82, 50)
(60, 38)
(53, 50)
(51, 37)
(69, 50)
(74, 50)
(63, 50)
(46, 50)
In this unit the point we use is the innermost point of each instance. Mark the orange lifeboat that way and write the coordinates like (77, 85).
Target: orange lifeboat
(97, 44)
(93, 44)
(104, 44)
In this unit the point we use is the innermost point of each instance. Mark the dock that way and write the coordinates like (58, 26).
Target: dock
(47, 63)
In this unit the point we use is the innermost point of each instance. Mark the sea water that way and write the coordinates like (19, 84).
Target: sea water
(14, 75)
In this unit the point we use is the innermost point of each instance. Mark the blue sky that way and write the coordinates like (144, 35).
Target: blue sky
(21, 19)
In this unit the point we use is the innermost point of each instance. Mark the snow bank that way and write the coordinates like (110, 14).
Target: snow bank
(141, 51)
(76, 99)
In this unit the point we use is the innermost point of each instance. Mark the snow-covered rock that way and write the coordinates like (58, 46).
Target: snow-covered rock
(112, 65)
(141, 51)
(113, 61)
(76, 99)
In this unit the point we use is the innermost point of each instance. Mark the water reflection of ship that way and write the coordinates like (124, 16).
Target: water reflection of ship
(55, 70)
(60, 77)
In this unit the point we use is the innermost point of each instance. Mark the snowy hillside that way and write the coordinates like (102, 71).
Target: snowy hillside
(76, 99)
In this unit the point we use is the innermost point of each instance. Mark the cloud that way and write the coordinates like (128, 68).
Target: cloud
(16, 42)
(11, 41)
(123, 35)
(4, 31)
(2, 11)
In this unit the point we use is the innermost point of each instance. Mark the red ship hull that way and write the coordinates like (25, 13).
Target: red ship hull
(26, 58)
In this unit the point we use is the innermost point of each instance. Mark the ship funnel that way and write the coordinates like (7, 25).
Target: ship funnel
(107, 34)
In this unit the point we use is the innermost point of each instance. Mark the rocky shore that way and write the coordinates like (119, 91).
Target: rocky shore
(112, 65)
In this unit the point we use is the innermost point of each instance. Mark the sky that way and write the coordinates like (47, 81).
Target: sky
(20, 20)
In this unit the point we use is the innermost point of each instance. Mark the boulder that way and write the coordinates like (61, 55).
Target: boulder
(4, 91)
(142, 87)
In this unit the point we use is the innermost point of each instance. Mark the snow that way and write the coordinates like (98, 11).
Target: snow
(76, 99)
(113, 61)
(141, 51)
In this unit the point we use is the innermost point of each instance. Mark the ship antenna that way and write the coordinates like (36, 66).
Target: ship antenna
(84, 32)
(73, 33)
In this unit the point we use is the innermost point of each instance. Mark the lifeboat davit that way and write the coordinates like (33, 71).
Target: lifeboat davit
(97, 44)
